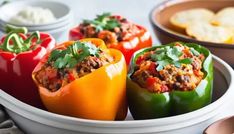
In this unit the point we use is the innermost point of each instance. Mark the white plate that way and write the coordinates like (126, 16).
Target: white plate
(36, 121)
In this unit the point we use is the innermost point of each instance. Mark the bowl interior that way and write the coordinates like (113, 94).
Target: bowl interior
(61, 11)
(162, 13)
(223, 83)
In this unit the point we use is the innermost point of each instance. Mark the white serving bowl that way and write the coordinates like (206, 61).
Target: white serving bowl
(36, 121)
(61, 11)
(58, 29)
(52, 28)
(41, 28)
(60, 34)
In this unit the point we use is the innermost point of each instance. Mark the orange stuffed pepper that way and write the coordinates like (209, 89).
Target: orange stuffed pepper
(83, 79)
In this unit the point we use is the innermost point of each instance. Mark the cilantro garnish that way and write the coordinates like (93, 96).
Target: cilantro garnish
(74, 54)
(103, 22)
(194, 52)
(169, 55)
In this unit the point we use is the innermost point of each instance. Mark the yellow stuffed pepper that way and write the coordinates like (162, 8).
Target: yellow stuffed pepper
(83, 79)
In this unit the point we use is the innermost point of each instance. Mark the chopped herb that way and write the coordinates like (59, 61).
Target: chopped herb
(169, 55)
(162, 64)
(103, 22)
(103, 16)
(174, 53)
(194, 52)
(186, 61)
(182, 61)
(74, 54)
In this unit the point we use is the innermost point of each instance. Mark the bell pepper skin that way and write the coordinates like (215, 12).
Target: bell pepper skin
(146, 105)
(131, 45)
(128, 46)
(16, 68)
(100, 95)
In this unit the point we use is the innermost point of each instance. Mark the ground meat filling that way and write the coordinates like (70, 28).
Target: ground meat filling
(184, 77)
(53, 78)
(121, 32)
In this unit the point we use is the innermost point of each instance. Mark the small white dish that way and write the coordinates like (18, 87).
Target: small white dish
(61, 11)
(60, 34)
(37, 121)
(44, 27)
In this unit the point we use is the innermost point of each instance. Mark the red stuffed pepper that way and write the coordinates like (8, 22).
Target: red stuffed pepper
(19, 54)
(116, 31)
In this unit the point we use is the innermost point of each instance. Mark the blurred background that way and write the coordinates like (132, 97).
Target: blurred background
(135, 10)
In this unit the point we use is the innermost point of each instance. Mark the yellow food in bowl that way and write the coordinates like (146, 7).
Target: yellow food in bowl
(183, 18)
(207, 32)
(224, 17)
(204, 25)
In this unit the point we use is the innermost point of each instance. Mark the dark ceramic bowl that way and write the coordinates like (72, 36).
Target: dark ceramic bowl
(160, 20)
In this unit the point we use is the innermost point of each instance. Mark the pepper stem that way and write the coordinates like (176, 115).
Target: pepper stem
(28, 41)
(14, 29)
(17, 47)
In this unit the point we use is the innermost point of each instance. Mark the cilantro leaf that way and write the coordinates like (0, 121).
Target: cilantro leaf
(161, 50)
(74, 54)
(194, 52)
(186, 61)
(162, 64)
(103, 22)
(72, 62)
(54, 55)
(169, 55)
(93, 50)
(158, 57)
(103, 16)
(60, 63)
(111, 24)
(174, 53)
(177, 64)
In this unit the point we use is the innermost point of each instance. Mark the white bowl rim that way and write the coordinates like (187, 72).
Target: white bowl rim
(130, 123)
(58, 20)
(66, 24)
(46, 27)
(50, 31)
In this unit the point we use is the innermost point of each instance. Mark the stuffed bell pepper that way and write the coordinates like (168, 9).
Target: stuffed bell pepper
(116, 31)
(169, 80)
(19, 54)
(83, 79)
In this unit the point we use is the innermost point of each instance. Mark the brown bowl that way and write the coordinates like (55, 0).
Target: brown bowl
(224, 126)
(160, 20)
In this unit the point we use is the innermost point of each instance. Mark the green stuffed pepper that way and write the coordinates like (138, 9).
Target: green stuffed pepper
(169, 80)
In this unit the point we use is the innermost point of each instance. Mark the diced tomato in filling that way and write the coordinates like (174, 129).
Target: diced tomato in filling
(152, 68)
(124, 31)
(71, 77)
(150, 81)
(196, 72)
(140, 59)
(53, 78)
(184, 78)
(164, 88)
